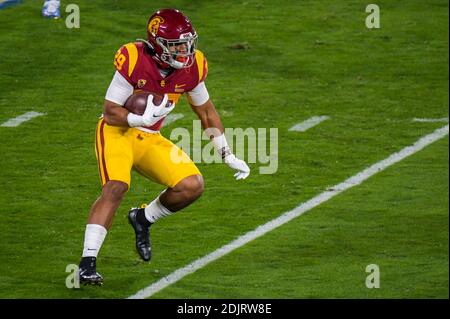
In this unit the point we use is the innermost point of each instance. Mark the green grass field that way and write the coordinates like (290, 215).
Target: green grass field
(304, 59)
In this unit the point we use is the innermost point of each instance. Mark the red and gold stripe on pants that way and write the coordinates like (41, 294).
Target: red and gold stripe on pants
(100, 149)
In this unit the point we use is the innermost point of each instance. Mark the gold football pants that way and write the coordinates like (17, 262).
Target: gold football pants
(120, 149)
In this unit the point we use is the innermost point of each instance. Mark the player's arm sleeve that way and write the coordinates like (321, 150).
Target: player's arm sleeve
(198, 95)
(119, 89)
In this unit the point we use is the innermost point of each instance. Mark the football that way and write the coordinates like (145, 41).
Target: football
(137, 102)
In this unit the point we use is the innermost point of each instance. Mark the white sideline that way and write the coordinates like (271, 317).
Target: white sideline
(444, 119)
(21, 118)
(172, 118)
(311, 122)
(288, 216)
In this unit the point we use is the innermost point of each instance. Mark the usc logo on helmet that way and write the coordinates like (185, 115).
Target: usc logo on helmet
(153, 25)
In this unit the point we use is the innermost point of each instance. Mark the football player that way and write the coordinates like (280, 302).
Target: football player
(167, 63)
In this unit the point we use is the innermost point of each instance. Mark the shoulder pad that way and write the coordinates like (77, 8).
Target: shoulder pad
(202, 65)
(125, 59)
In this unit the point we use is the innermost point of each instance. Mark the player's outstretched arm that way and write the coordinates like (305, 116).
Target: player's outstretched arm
(213, 127)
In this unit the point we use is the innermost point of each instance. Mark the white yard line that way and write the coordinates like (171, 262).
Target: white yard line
(21, 118)
(288, 216)
(313, 121)
(172, 118)
(444, 119)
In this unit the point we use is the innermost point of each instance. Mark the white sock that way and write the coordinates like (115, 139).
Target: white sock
(93, 239)
(155, 210)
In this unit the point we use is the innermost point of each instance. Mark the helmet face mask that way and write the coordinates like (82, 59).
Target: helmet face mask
(178, 53)
(173, 38)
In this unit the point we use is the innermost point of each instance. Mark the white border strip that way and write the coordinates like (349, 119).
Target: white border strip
(444, 119)
(311, 122)
(286, 217)
(21, 118)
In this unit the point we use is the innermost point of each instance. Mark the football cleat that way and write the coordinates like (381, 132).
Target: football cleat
(87, 272)
(143, 244)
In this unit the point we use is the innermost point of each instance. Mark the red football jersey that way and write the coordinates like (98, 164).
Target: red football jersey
(138, 67)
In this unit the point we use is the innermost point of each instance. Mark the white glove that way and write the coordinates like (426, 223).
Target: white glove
(221, 145)
(238, 165)
(152, 114)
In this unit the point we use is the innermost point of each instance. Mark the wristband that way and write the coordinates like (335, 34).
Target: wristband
(220, 142)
